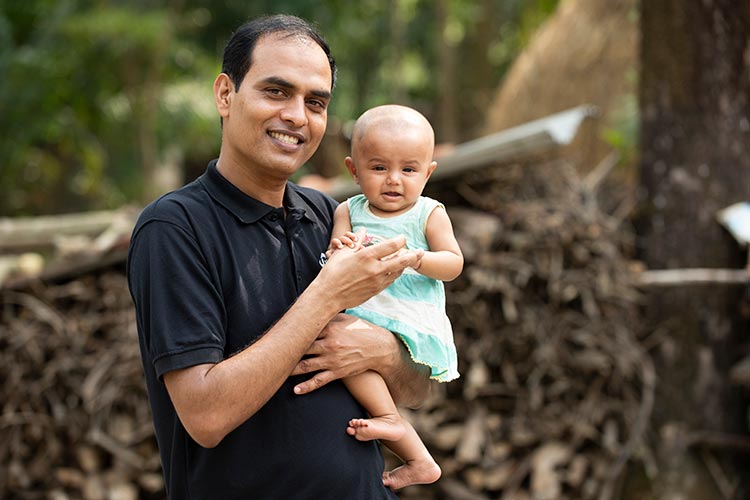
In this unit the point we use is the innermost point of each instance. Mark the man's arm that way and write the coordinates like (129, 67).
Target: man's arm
(211, 400)
(349, 345)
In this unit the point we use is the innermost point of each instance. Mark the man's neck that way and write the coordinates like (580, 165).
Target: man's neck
(268, 191)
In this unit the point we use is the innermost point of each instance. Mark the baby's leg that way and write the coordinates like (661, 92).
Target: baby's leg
(370, 390)
(419, 466)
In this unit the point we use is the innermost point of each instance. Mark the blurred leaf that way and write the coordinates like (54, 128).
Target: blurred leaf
(96, 93)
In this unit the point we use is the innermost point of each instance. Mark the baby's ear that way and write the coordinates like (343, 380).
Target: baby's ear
(352, 168)
(431, 168)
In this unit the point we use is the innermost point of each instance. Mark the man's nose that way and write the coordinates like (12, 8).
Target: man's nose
(294, 112)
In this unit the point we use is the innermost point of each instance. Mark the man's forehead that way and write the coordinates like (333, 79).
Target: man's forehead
(299, 51)
(293, 42)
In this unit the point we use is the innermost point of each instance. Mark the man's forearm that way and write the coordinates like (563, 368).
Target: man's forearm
(212, 400)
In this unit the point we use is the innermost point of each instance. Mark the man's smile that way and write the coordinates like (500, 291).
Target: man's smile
(286, 138)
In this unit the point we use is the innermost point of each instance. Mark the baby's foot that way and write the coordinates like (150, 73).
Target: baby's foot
(412, 472)
(388, 428)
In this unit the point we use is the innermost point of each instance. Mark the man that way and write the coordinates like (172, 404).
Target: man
(234, 308)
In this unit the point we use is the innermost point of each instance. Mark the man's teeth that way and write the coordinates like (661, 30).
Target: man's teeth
(285, 138)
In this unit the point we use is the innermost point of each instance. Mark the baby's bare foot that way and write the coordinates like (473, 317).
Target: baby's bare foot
(412, 472)
(388, 428)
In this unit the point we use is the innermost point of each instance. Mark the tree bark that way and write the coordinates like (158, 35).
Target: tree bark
(695, 135)
(397, 48)
(446, 130)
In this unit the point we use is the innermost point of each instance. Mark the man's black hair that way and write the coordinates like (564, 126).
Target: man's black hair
(238, 53)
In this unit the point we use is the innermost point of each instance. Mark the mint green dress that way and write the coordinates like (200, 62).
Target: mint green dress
(413, 307)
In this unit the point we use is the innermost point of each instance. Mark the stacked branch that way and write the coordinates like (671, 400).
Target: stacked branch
(75, 420)
(553, 402)
(556, 389)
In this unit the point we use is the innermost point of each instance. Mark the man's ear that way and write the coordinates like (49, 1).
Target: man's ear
(223, 92)
(352, 168)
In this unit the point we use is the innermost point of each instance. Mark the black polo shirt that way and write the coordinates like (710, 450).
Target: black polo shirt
(210, 270)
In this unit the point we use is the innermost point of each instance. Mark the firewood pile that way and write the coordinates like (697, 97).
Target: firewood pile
(556, 389)
(555, 393)
(75, 419)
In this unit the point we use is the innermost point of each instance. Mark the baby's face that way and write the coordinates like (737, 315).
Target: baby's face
(392, 167)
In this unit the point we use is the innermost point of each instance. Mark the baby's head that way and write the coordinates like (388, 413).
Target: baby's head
(391, 159)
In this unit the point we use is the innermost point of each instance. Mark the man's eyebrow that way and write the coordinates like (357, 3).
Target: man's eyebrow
(275, 80)
(323, 94)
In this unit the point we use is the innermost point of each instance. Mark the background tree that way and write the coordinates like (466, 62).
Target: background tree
(695, 133)
(91, 95)
(108, 102)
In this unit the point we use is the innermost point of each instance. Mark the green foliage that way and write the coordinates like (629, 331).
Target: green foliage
(533, 14)
(622, 131)
(80, 83)
(95, 93)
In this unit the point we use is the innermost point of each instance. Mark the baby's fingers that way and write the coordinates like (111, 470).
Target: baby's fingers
(349, 239)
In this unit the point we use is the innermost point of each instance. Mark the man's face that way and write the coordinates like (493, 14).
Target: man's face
(276, 120)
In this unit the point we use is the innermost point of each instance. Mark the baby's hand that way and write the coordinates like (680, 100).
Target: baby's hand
(348, 239)
(420, 253)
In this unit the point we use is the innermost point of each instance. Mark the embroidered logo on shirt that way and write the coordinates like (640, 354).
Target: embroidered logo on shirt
(323, 259)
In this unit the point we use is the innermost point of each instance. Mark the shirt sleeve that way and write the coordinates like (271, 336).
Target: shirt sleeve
(179, 307)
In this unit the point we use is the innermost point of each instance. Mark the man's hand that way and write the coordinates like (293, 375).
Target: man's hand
(353, 275)
(347, 346)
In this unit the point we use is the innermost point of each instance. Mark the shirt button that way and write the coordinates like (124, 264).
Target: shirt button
(273, 217)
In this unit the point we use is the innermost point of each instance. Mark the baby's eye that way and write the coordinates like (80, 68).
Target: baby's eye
(379, 168)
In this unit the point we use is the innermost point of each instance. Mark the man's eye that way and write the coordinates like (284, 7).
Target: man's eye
(320, 105)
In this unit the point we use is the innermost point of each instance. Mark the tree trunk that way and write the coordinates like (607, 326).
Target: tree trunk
(397, 47)
(585, 53)
(695, 139)
(446, 129)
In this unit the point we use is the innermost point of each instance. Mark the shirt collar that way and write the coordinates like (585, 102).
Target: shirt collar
(246, 208)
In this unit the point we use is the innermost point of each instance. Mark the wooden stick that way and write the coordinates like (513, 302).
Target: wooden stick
(719, 440)
(30, 233)
(695, 276)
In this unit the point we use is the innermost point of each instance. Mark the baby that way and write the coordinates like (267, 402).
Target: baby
(392, 148)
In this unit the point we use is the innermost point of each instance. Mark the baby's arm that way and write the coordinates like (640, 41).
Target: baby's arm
(444, 261)
(341, 234)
